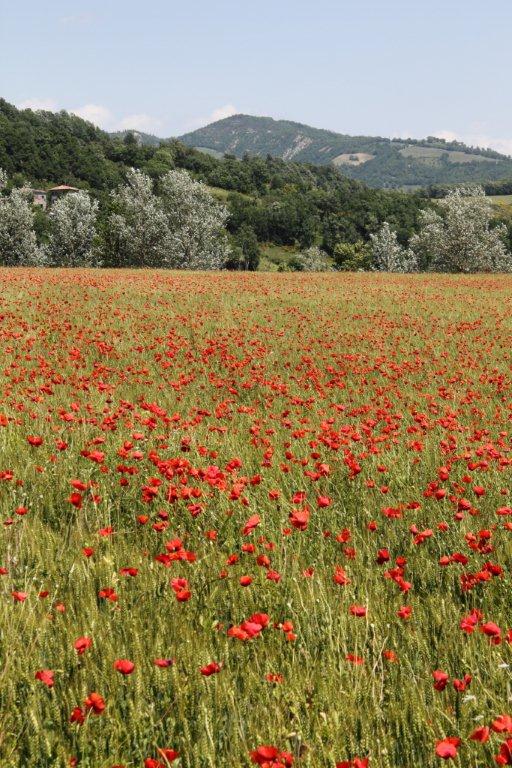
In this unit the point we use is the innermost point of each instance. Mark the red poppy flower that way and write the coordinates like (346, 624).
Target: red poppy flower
(505, 754)
(210, 669)
(271, 757)
(251, 524)
(77, 716)
(502, 724)
(440, 680)
(299, 518)
(124, 666)
(95, 702)
(46, 677)
(163, 663)
(490, 629)
(447, 748)
(108, 593)
(82, 644)
(480, 734)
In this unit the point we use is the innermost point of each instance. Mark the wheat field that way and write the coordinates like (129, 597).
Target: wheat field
(255, 519)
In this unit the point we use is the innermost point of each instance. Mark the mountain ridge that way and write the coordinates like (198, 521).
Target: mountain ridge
(376, 160)
(45, 145)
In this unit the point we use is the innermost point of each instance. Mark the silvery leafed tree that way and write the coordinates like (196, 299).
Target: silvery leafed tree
(196, 223)
(459, 236)
(387, 253)
(73, 220)
(182, 227)
(18, 245)
(138, 235)
(313, 260)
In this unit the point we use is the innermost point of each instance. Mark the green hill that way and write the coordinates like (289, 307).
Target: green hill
(144, 139)
(56, 147)
(377, 161)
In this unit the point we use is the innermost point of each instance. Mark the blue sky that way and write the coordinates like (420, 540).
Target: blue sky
(385, 67)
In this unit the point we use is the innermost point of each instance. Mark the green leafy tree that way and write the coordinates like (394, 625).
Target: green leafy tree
(353, 257)
(161, 162)
(42, 226)
(245, 252)
(295, 264)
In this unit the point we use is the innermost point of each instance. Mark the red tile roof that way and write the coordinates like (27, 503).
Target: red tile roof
(62, 188)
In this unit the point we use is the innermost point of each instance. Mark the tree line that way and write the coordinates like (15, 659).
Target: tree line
(178, 224)
(182, 227)
(282, 202)
(458, 235)
(324, 217)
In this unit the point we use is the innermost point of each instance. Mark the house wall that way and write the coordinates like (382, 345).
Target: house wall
(40, 199)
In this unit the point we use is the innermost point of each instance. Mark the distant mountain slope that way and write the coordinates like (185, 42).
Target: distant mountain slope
(145, 139)
(377, 161)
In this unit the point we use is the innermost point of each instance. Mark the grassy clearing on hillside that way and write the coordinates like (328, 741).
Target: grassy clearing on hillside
(433, 155)
(503, 201)
(283, 498)
(220, 194)
(352, 158)
(275, 256)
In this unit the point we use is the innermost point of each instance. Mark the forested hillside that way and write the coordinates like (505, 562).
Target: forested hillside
(147, 139)
(377, 161)
(285, 203)
(277, 208)
(48, 146)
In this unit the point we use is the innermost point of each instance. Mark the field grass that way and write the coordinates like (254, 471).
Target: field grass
(285, 499)
(223, 194)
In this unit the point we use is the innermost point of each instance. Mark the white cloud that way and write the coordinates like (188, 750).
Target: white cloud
(104, 118)
(45, 104)
(140, 122)
(218, 114)
(97, 114)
